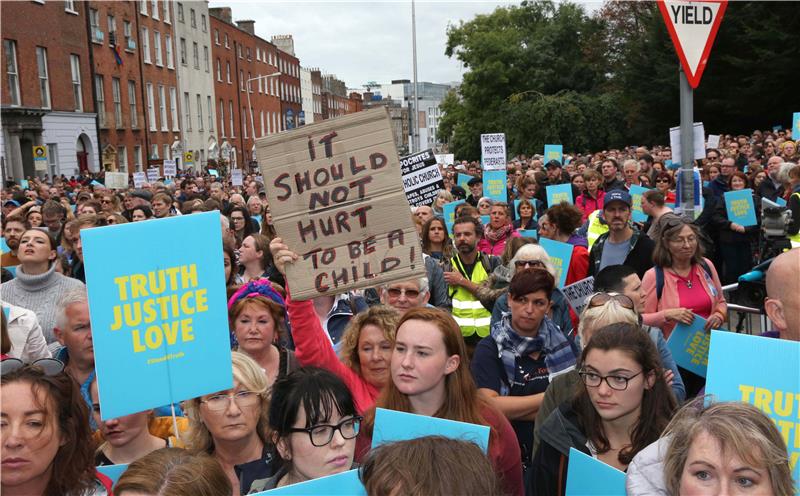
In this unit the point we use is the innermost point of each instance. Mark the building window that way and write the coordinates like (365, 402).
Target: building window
(180, 12)
(167, 154)
(168, 46)
(132, 104)
(249, 88)
(222, 118)
(196, 55)
(226, 41)
(143, 7)
(162, 108)
(101, 100)
(219, 71)
(137, 157)
(241, 79)
(199, 113)
(230, 117)
(94, 26)
(228, 71)
(122, 156)
(203, 23)
(112, 28)
(173, 108)
(69, 6)
(157, 43)
(75, 67)
(244, 122)
(239, 51)
(216, 37)
(249, 57)
(183, 51)
(187, 113)
(258, 54)
(117, 99)
(146, 43)
(154, 9)
(151, 114)
(261, 115)
(130, 43)
(205, 59)
(52, 158)
(192, 18)
(166, 13)
(210, 107)
(154, 152)
(44, 82)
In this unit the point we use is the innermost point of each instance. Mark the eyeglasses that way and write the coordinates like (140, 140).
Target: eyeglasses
(105, 200)
(409, 293)
(687, 240)
(662, 180)
(615, 382)
(48, 366)
(321, 435)
(600, 299)
(524, 264)
(221, 402)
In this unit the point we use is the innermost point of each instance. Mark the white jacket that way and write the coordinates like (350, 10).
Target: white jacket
(27, 341)
(645, 474)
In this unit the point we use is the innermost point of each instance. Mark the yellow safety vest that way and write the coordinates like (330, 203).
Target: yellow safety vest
(468, 311)
(596, 228)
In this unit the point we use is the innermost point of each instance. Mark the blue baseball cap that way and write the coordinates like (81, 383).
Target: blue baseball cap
(617, 195)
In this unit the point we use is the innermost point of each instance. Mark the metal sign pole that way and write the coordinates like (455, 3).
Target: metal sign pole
(687, 146)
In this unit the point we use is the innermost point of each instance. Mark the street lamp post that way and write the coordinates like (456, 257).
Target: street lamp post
(250, 109)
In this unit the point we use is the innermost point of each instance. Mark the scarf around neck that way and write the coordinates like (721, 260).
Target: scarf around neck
(496, 235)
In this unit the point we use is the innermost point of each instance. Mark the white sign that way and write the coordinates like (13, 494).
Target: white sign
(422, 179)
(170, 168)
(116, 180)
(445, 158)
(699, 142)
(139, 178)
(236, 177)
(493, 151)
(713, 141)
(152, 175)
(577, 293)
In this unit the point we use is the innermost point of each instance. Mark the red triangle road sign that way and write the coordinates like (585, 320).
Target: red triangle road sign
(693, 25)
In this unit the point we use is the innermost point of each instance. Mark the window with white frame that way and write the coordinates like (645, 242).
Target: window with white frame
(244, 122)
(219, 71)
(77, 92)
(146, 44)
(69, 6)
(222, 118)
(206, 61)
(166, 13)
(137, 157)
(167, 152)
(183, 51)
(151, 107)
(230, 116)
(143, 7)
(249, 88)
(269, 123)
(94, 26)
(261, 118)
(180, 12)
(44, 81)
(116, 96)
(203, 23)
(196, 55)
(154, 9)
(122, 157)
(101, 100)
(187, 113)
(126, 30)
(52, 158)
(192, 18)
(162, 108)
(258, 54)
(241, 80)
(173, 108)
(210, 107)
(157, 43)
(216, 37)
(132, 104)
(228, 71)
(199, 112)
(168, 47)
(154, 152)
(226, 41)
(112, 27)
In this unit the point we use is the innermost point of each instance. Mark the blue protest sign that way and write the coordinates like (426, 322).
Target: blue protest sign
(636, 198)
(96, 183)
(485, 219)
(528, 233)
(4, 246)
(558, 193)
(463, 179)
(780, 201)
(391, 425)
(669, 164)
(560, 255)
(256, 218)
(740, 207)
(158, 310)
(494, 185)
(773, 386)
(449, 211)
(516, 208)
(24, 183)
(689, 346)
(587, 476)
(796, 126)
(342, 484)
(113, 472)
(554, 152)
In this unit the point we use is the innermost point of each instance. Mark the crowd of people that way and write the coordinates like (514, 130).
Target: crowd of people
(486, 336)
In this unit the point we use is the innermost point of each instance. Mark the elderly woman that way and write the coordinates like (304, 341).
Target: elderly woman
(498, 231)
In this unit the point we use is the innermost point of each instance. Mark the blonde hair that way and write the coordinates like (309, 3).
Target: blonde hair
(247, 373)
(531, 251)
(174, 472)
(611, 312)
(381, 316)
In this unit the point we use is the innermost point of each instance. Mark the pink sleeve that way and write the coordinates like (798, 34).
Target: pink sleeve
(651, 315)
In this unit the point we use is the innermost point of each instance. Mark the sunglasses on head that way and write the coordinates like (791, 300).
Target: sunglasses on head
(48, 366)
(600, 299)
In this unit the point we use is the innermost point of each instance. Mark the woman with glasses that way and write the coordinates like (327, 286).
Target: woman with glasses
(737, 243)
(241, 224)
(44, 431)
(112, 219)
(665, 185)
(559, 224)
(623, 406)
(314, 424)
(110, 204)
(232, 426)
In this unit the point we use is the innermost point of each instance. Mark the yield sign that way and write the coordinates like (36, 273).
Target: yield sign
(693, 25)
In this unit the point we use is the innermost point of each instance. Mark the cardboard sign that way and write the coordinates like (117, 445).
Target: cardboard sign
(689, 345)
(170, 168)
(335, 193)
(113, 472)
(560, 256)
(159, 317)
(391, 425)
(796, 126)
(342, 484)
(741, 208)
(422, 179)
(236, 177)
(713, 141)
(445, 158)
(772, 384)
(493, 151)
(636, 199)
(577, 292)
(494, 185)
(139, 179)
(449, 211)
(554, 152)
(153, 175)
(699, 141)
(558, 193)
(116, 180)
(587, 476)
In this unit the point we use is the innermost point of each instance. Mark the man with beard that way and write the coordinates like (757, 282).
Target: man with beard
(13, 229)
(771, 188)
(464, 273)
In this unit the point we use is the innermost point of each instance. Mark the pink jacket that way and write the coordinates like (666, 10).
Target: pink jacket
(496, 248)
(654, 309)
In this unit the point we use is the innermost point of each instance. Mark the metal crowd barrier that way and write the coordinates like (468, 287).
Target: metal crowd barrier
(753, 321)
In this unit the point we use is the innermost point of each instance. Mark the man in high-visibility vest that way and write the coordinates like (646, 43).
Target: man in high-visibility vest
(467, 269)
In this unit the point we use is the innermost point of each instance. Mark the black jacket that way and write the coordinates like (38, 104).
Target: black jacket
(640, 256)
(560, 432)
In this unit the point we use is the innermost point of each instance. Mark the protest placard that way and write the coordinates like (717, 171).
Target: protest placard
(463, 179)
(139, 178)
(493, 151)
(153, 174)
(445, 158)
(449, 212)
(113, 472)
(170, 168)
(116, 180)
(494, 185)
(342, 484)
(636, 198)
(422, 179)
(558, 193)
(796, 126)
(528, 233)
(392, 425)
(560, 255)
(699, 142)
(554, 152)
(587, 476)
(337, 200)
(577, 292)
(236, 177)
(713, 141)
(159, 317)
(689, 345)
(740, 207)
(773, 386)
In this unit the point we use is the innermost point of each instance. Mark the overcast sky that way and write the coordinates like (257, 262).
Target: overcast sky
(365, 41)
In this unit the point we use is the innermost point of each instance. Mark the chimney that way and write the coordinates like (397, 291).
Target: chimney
(222, 13)
(247, 25)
